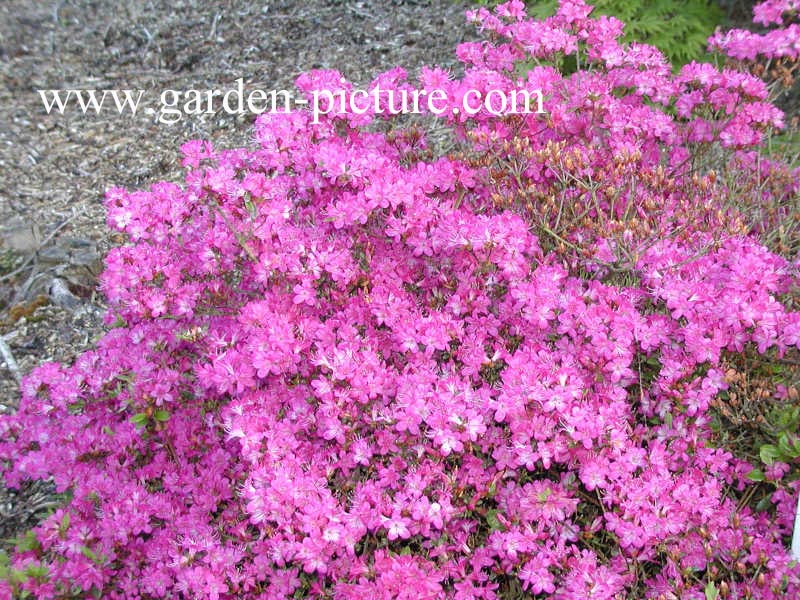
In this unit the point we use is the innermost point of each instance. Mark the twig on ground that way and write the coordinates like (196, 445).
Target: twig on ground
(42, 244)
(8, 358)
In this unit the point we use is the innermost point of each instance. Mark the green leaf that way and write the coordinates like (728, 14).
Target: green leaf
(89, 553)
(27, 542)
(139, 419)
(769, 454)
(756, 475)
(492, 490)
(783, 444)
(18, 577)
(161, 415)
(492, 520)
(789, 445)
(711, 591)
(251, 208)
(36, 571)
(126, 377)
(763, 504)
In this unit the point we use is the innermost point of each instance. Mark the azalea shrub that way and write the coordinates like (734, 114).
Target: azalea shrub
(778, 45)
(772, 53)
(340, 365)
(679, 28)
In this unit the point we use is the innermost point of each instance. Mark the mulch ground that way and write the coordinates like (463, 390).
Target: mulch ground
(54, 168)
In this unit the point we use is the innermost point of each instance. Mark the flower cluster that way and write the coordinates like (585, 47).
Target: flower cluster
(341, 368)
(783, 42)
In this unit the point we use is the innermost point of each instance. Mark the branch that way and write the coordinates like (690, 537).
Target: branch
(9, 359)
